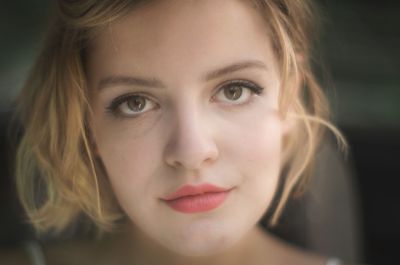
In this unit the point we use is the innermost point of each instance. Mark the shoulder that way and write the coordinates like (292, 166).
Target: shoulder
(278, 251)
(71, 252)
(103, 251)
(299, 256)
(87, 251)
(54, 253)
(14, 256)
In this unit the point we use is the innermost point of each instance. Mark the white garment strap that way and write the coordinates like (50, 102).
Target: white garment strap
(35, 252)
(334, 261)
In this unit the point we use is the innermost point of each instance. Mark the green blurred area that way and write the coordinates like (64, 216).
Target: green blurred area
(360, 46)
(22, 25)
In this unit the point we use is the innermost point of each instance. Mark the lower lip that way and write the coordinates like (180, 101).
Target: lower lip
(198, 203)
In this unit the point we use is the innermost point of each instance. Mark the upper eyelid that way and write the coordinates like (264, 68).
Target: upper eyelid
(123, 97)
(120, 99)
(237, 81)
(115, 103)
(252, 84)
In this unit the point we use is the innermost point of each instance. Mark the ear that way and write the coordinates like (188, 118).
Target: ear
(289, 123)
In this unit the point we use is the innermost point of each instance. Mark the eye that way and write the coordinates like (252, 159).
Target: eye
(237, 92)
(131, 105)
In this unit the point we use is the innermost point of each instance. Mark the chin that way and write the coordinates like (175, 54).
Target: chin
(200, 249)
(203, 240)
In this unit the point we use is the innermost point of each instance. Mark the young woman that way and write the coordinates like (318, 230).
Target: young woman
(171, 125)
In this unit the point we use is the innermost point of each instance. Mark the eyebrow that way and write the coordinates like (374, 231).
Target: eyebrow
(234, 68)
(116, 80)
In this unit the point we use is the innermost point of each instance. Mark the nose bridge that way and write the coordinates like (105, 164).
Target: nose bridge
(191, 142)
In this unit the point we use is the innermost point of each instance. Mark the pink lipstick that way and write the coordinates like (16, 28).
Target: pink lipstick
(193, 199)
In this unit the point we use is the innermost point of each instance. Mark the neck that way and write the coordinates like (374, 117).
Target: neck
(140, 249)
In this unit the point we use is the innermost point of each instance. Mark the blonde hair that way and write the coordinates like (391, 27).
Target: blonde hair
(57, 176)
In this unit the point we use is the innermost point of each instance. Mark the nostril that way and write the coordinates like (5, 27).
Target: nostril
(191, 154)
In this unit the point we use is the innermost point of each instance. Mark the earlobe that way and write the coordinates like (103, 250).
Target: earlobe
(289, 123)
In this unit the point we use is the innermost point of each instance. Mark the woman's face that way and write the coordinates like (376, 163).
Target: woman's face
(186, 93)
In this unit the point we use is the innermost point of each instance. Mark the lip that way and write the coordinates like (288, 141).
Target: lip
(192, 199)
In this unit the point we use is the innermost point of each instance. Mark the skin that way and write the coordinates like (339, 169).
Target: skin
(189, 131)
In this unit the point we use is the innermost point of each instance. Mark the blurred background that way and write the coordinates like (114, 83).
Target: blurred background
(360, 47)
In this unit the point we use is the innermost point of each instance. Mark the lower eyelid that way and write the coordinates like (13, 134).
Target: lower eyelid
(252, 87)
(246, 85)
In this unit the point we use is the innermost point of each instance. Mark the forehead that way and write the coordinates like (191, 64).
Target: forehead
(168, 36)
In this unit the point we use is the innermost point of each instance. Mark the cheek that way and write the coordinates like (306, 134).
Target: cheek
(256, 142)
(129, 162)
(256, 154)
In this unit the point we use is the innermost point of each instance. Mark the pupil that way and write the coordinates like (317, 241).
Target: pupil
(136, 103)
(233, 92)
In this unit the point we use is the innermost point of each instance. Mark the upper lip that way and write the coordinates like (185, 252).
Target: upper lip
(190, 190)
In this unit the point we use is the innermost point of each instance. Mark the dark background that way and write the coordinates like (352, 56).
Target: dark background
(360, 47)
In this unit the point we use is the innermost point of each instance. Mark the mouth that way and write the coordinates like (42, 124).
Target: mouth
(194, 199)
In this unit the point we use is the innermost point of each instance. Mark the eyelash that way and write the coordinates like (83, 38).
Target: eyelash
(113, 108)
(253, 88)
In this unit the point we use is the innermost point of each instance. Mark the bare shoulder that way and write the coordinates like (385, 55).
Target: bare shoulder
(87, 251)
(80, 251)
(345, 263)
(13, 256)
(66, 252)
(277, 251)
(70, 252)
(298, 256)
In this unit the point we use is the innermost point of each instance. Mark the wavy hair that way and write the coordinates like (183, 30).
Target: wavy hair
(58, 177)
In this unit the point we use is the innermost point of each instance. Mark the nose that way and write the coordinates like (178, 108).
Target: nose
(191, 144)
